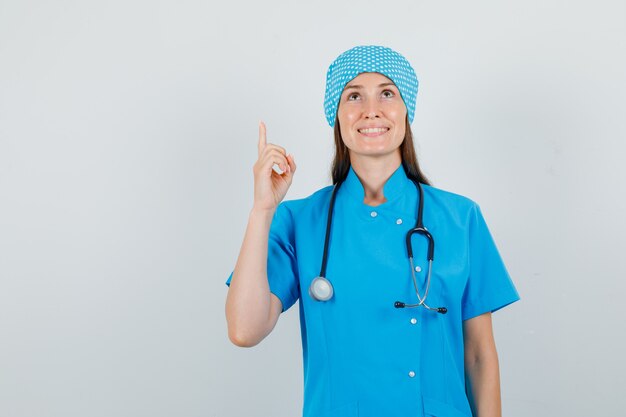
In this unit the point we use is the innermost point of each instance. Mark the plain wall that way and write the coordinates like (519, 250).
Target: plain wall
(128, 132)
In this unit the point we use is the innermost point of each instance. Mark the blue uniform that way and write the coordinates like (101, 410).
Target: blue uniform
(363, 357)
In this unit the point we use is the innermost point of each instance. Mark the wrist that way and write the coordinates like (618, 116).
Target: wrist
(262, 212)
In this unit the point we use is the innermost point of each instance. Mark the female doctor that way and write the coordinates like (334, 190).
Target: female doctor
(396, 279)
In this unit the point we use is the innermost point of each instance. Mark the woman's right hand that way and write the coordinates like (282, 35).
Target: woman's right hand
(270, 187)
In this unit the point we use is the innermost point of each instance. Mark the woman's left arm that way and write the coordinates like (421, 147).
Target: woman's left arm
(482, 374)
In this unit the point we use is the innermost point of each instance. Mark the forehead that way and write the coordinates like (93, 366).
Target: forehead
(368, 79)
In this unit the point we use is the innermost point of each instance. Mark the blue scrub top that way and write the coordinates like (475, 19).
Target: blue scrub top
(363, 357)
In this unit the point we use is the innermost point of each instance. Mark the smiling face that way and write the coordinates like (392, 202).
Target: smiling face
(372, 117)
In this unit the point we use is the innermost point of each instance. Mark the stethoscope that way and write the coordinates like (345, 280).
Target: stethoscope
(322, 290)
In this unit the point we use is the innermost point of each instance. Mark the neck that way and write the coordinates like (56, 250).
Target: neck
(373, 174)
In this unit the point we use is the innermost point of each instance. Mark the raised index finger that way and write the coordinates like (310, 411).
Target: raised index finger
(262, 137)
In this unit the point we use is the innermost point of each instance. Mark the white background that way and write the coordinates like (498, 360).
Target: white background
(128, 132)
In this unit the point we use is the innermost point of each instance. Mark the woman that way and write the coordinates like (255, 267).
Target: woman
(364, 354)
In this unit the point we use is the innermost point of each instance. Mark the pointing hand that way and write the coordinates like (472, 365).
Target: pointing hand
(270, 186)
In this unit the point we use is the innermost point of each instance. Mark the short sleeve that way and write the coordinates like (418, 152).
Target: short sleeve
(489, 286)
(282, 268)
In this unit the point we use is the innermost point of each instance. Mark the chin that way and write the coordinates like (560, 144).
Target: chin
(373, 153)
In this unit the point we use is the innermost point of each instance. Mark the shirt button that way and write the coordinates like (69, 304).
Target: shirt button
(413, 320)
(373, 214)
(411, 374)
(418, 269)
(399, 221)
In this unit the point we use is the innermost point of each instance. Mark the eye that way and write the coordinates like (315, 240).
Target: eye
(352, 96)
(388, 94)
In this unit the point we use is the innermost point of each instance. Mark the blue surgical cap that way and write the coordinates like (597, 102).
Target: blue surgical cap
(369, 58)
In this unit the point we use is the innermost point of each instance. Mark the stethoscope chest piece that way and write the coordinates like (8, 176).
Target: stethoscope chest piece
(321, 289)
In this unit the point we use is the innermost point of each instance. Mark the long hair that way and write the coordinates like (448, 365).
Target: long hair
(341, 161)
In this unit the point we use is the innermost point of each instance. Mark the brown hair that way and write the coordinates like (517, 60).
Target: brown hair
(341, 161)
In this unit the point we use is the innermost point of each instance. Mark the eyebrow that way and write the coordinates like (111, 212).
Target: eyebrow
(360, 86)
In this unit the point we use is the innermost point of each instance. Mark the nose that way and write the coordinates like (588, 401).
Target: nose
(371, 109)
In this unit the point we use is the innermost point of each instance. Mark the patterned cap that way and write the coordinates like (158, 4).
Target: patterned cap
(369, 58)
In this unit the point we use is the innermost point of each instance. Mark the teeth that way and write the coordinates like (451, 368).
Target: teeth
(374, 130)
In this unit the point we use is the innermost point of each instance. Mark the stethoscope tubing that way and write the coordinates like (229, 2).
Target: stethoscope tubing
(329, 221)
(322, 290)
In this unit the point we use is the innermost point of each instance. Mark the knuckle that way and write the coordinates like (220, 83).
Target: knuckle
(276, 147)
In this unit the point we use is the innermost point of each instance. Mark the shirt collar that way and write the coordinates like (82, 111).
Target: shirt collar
(393, 188)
